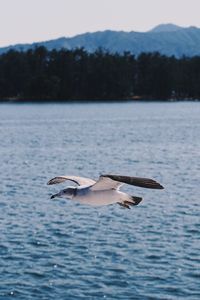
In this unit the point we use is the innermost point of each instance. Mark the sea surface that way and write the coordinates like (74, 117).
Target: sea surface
(59, 249)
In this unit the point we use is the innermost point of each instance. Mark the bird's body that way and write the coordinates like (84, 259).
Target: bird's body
(98, 198)
(104, 191)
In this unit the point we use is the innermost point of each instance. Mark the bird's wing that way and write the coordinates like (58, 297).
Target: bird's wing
(76, 179)
(137, 181)
(105, 183)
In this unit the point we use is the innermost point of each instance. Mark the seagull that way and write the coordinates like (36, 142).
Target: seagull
(104, 191)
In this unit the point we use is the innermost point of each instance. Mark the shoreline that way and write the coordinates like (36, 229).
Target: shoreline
(127, 100)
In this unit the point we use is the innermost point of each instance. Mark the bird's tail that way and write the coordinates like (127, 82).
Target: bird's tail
(132, 200)
(135, 200)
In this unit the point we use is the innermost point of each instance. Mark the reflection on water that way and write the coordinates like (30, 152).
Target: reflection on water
(60, 249)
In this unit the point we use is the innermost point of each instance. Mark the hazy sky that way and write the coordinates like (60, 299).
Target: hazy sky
(36, 20)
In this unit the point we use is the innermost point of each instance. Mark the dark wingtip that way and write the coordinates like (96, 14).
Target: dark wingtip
(137, 181)
(160, 187)
(49, 182)
(153, 185)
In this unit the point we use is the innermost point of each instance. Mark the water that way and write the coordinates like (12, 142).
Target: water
(62, 250)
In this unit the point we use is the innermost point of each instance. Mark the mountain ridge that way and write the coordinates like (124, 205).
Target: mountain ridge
(167, 27)
(167, 39)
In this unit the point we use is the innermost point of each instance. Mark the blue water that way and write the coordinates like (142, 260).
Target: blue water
(58, 249)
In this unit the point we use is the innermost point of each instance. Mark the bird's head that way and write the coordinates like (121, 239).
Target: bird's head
(66, 193)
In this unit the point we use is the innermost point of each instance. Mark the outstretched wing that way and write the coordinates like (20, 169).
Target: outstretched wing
(76, 179)
(137, 181)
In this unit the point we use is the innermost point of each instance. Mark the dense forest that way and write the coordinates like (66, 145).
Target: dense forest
(63, 75)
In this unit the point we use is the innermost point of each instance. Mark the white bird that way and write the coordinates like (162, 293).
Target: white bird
(104, 191)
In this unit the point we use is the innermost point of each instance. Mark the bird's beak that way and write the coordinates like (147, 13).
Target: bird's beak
(54, 196)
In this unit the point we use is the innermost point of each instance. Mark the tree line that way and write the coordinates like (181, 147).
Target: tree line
(39, 74)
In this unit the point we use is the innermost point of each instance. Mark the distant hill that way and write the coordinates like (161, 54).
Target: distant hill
(166, 28)
(168, 39)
